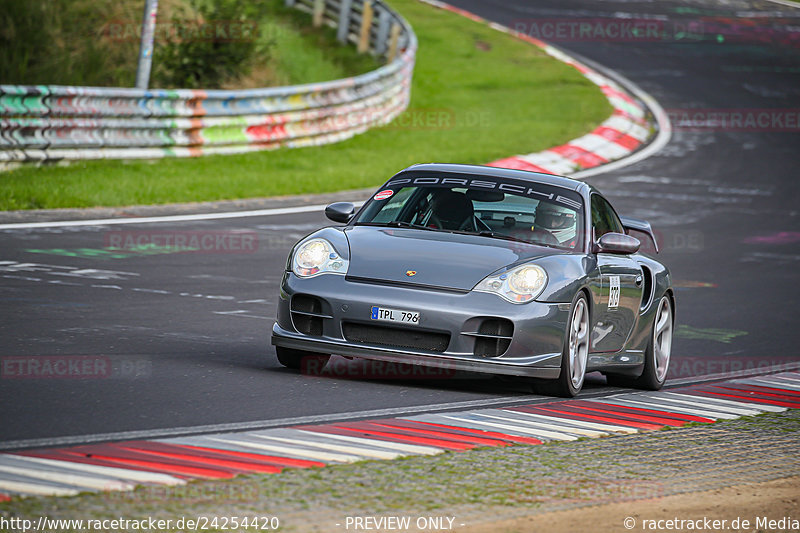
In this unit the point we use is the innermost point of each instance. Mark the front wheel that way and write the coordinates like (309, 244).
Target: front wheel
(574, 354)
(300, 359)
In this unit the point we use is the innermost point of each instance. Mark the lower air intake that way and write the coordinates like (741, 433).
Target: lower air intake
(307, 314)
(429, 341)
(493, 337)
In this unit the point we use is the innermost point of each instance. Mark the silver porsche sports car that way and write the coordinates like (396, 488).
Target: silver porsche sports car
(482, 269)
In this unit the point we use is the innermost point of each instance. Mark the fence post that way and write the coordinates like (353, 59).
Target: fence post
(146, 44)
(393, 42)
(384, 23)
(366, 26)
(319, 11)
(344, 21)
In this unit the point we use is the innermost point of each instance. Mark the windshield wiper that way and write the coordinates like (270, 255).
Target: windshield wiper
(397, 224)
(505, 237)
(493, 235)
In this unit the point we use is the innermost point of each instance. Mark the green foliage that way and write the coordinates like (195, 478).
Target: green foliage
(24, 37)
(214, 41)
(61, 42)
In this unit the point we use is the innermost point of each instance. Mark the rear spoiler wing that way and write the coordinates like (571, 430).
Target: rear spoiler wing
(643, 226)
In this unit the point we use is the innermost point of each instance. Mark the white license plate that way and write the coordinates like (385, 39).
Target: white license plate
(383, 314)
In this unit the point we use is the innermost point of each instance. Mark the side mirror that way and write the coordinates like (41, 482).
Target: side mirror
(341, 212)
(617, 243)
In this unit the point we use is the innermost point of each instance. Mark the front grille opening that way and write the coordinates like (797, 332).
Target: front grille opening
(307, 314)
(429, 341)
(493, 337)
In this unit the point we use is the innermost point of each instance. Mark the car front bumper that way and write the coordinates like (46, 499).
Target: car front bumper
(534, 349)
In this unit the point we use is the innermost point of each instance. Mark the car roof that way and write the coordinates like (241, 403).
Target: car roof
(496, 172)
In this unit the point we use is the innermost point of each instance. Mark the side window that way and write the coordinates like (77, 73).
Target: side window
(604, 219)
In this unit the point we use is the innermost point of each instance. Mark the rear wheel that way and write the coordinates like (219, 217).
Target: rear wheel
(574, 355)
(657, 355)
(298, 359)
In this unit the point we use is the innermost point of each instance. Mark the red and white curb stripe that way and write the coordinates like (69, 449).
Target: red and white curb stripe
(621, 134)
(174, 461)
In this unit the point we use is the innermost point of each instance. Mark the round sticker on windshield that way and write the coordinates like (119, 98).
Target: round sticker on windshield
(384, 194)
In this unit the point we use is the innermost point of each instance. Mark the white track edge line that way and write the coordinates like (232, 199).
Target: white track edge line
(167, 218)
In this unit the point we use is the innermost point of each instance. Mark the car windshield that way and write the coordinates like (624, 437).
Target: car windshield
(532, 213)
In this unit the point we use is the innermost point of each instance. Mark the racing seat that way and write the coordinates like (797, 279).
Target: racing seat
(452, 210)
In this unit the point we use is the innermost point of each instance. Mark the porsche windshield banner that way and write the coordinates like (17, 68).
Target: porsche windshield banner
(517, 187)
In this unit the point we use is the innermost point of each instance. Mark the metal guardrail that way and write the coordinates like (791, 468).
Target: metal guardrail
(52, 122)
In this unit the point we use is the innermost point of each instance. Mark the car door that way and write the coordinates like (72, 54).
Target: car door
(619, 288)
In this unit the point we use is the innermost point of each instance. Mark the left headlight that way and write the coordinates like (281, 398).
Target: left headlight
(517, 285)
(317, 256)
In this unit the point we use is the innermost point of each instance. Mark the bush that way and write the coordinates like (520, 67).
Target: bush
(214, 41)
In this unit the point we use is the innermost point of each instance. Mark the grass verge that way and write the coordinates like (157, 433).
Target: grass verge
(478, 95)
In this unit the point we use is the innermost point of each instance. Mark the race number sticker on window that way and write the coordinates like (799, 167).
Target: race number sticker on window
(384, 194)
(613, 292)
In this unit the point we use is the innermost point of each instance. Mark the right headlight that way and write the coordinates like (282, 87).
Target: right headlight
(518, 285)
(317, 256)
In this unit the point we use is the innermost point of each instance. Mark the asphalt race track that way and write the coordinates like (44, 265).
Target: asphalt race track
(182, 339)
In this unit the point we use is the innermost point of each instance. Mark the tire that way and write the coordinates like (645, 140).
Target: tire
(294, 359)
(657, 355)
(574, 354)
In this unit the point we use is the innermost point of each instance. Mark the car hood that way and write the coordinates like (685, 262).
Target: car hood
(439, 259)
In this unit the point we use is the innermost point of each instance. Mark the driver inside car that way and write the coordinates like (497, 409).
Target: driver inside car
(551, 221)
